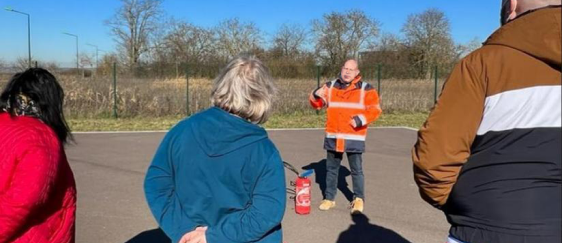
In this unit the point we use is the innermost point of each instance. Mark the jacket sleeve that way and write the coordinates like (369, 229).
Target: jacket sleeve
(317, 102)
(444, 141)
(159, 188)
(31, 184)
(372, 109)
(263, 214)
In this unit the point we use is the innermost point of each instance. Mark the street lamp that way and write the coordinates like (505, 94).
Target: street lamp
(77, 57)
(97, 52)
(28, 34)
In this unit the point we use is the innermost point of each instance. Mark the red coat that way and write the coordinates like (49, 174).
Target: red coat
(37, 188)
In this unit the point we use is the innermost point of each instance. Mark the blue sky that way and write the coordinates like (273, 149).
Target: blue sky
(85, 18)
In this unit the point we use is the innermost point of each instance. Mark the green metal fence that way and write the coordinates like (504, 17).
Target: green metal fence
(117, 94)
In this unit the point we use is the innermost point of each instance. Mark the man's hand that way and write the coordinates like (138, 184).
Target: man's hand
(196, 236)
(356, 122)
(353, 123)
(321, 93)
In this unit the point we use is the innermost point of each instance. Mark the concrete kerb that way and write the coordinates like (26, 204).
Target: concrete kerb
(270, 129)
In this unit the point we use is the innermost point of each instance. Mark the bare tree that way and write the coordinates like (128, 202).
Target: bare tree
(187, 42)
(52, 66)
(469, 47)
(158, 55)
(288, 56)
(105, 66)
(132, 26)
(235, 37)
(342, 35)
(391, 52)
(290, 39)
(428, 35)
(87, 61)
(21, 64)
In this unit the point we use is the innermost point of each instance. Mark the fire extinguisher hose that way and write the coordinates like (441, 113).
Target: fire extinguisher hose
(290, 167)
(291, 191)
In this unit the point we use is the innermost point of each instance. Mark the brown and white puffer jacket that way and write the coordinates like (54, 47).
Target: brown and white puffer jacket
(489, 155)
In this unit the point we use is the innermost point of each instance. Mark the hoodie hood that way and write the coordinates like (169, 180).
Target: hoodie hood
(536, 33)
(219, 132)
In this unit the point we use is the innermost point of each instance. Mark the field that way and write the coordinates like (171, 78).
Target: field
(157, 104)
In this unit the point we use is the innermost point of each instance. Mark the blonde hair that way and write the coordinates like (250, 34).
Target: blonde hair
(245, 88)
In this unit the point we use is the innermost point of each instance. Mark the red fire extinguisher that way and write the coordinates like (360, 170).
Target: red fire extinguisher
(302, 190)
(302, 195)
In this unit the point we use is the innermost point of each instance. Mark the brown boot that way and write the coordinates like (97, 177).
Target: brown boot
(357, 206)
(327, 205)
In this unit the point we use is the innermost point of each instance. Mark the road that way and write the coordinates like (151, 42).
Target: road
(110, 168)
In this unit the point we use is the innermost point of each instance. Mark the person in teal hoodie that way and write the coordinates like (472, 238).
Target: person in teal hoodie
(217, 177)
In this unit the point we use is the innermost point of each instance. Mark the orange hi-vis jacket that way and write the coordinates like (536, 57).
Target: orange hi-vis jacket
(357, 101)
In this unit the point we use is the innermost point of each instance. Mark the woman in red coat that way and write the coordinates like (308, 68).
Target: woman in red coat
(37, 188)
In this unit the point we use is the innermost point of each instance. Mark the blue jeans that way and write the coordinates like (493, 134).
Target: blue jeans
(333, 163)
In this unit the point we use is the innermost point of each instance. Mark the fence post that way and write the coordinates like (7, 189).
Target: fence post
(114, 90)
(187, 110)
(436, 84)
(317, 81)
(379, 79)
(373, 71)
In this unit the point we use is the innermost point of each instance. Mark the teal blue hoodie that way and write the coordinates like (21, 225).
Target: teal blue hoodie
(217, 170)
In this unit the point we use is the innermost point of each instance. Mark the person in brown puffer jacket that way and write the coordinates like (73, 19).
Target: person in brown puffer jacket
(489, 154)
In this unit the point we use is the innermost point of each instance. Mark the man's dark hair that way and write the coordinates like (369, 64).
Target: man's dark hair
(505, 11)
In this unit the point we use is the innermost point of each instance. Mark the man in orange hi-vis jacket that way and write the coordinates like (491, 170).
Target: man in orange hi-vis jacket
(351, 105)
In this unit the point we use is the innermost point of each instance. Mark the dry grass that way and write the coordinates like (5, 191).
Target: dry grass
(139, 98)
(407, 96)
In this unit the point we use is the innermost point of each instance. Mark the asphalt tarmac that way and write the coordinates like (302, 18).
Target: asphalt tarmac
(110, 168)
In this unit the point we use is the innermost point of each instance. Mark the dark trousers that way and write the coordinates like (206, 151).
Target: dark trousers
(333, 162)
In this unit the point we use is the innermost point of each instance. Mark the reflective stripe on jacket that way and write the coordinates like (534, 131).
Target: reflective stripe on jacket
(357, 101)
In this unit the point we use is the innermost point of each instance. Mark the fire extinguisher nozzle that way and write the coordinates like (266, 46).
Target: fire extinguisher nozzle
(306, 173)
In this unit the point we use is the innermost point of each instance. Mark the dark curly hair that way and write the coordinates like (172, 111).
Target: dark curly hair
(42, 94)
